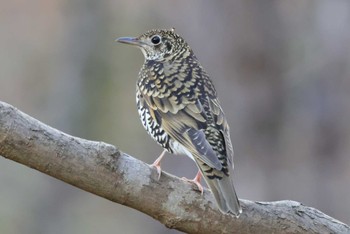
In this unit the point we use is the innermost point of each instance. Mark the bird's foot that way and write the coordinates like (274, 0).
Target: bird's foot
(158, 168)
(156, 164)
(197, 181)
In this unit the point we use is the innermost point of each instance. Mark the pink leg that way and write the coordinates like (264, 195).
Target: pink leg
(156, 163)
(196, 180)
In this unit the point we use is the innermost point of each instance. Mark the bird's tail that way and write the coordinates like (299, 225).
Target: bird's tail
(225, 194)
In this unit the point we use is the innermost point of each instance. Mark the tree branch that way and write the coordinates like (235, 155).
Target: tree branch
(104, 170)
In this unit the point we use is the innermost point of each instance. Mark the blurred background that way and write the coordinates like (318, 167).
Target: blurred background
(281, 68)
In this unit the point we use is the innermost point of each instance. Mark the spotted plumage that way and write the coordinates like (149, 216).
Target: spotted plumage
(178, 107)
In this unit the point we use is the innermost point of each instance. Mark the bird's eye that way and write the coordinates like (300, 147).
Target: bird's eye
(155, 39)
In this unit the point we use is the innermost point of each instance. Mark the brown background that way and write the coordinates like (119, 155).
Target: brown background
(281, 68)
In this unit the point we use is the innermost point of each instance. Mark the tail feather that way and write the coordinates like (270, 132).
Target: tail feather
(225, 195)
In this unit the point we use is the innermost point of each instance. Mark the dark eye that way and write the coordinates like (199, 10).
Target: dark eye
(155, 39)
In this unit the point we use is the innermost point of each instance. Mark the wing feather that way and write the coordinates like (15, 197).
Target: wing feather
(185, 119)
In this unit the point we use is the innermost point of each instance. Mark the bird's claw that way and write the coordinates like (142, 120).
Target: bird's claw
(156, 164)
(158, 168)
(196, 182)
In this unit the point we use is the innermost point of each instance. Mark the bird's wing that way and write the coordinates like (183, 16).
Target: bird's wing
(222, 125)
(185, 124)
(184, 119)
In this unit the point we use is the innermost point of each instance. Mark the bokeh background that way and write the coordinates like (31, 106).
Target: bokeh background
(281, 68)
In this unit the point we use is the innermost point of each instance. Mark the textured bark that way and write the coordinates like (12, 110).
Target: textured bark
(104, 170)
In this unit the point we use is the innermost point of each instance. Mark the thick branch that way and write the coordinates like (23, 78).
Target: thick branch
(104, 170)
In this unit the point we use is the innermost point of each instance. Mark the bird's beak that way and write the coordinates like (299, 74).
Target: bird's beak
(130, 41)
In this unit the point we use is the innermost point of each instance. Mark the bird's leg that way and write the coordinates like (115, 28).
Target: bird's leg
(197, 181)
(156, 163)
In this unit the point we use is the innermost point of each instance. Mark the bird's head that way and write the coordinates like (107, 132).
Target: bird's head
(157, 45)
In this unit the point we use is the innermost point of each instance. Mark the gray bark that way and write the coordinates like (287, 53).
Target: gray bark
(104, 170)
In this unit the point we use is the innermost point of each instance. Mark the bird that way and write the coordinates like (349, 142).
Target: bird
(179, 108)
